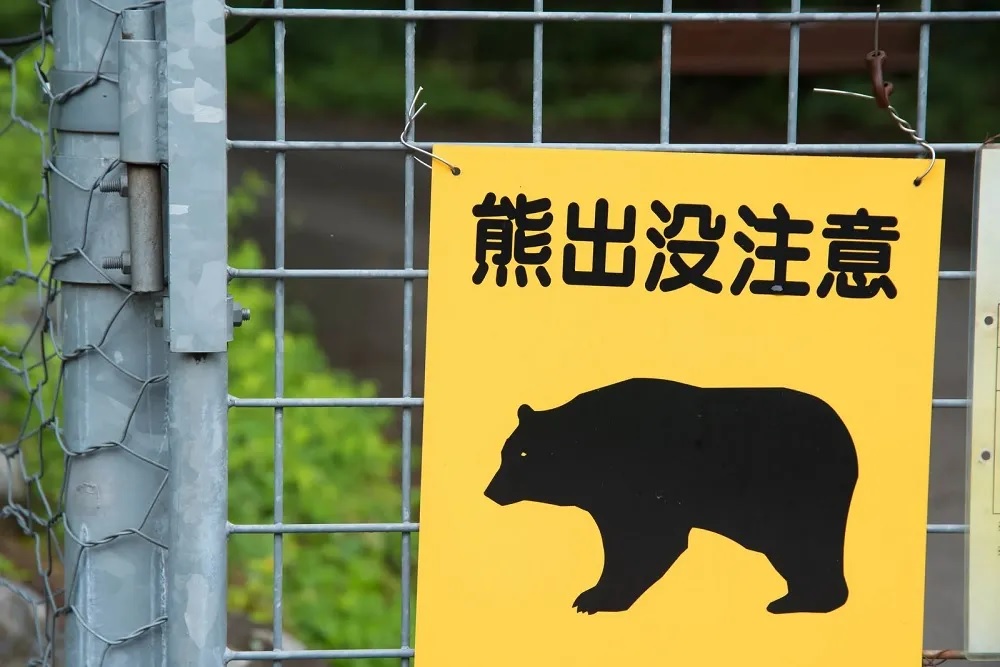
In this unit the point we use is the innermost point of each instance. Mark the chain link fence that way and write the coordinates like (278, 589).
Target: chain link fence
(30, 474)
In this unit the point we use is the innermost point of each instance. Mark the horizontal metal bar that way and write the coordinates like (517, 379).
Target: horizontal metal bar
(947, 528)
(945, 654)
(417, 274)
(402, 274)
(950, 403)
(285, 528)
(768, 149)
(345, 654)
(333, 528)
(614, 17)
(316, 654)
(413, 402)
(325, 402)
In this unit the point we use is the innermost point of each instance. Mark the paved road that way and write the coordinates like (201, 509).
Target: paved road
(345, 210)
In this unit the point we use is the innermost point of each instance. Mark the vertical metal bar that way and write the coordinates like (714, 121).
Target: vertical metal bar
(112, 575)
(537, 60)
(279, 327)
(116, 588)
(196, 319)
(793, 77)
(922, 72)
(197, 428)
(410, 66)
(665, 78)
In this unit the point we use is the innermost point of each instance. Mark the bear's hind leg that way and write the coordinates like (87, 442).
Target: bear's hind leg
(635, 558)
(814, 572)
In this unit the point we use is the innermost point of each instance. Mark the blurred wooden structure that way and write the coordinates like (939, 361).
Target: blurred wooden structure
(754, 49)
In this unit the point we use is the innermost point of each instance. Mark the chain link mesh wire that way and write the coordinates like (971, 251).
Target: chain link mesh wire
(29, 502)
(37, 456)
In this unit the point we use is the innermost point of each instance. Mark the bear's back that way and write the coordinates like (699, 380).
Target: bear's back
(634, 421)
(659, 422)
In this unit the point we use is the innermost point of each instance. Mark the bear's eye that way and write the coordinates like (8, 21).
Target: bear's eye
(523, 453)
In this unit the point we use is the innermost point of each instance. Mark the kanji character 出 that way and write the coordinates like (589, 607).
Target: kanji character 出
(600, 235)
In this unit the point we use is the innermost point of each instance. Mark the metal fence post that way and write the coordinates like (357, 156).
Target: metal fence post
(114, 361)
(199, 321)
(982, 541)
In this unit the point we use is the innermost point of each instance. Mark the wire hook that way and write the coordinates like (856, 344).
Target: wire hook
(410, 117)
(878, 9)
(875, 58)
(903, 125)
(881, 90)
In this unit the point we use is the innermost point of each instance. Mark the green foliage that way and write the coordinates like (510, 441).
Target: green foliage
(340, 591)
(27, 385)
(11, 572)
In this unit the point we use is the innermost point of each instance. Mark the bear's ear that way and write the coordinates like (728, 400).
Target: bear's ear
(524, 411)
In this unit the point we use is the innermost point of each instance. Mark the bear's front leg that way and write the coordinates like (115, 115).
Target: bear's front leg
(635, 558)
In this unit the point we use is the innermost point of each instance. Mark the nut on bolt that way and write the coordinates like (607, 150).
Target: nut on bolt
(240, 314)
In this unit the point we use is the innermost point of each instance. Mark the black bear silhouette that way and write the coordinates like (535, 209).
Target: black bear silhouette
(772, 469)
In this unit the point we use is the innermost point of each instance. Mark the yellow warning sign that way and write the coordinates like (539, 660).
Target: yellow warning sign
(677, 409)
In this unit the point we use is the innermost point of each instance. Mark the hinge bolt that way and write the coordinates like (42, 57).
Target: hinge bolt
(121, 262)
(117, 184)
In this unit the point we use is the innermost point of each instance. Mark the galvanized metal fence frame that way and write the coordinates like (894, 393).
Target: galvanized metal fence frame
(168, 359)
(410, 16)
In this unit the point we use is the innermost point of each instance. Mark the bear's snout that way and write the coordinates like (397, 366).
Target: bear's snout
(499, 492)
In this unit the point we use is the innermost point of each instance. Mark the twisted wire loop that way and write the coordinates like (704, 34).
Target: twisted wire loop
(37, 457)
(411, 115)
(900, 122)
(882, 90)
(908, 129)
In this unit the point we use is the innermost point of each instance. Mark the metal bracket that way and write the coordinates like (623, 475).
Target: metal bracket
(140, 68)
(92, 109)
(238, 315)
(140, 64)
(197, 245)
